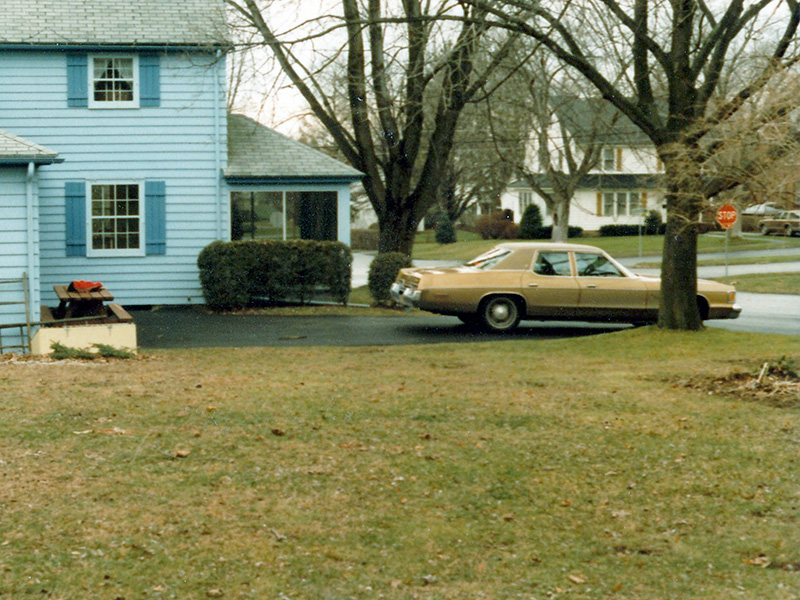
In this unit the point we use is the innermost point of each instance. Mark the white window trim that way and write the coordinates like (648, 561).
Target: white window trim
(114, 104)
(630, 195)
(92, 252)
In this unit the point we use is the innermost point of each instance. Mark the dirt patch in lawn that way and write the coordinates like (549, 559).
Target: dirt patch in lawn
(773, 382)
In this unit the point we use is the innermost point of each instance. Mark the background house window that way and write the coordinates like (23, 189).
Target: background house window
(609, 159)
(116, 218)
(621, 204)
(525, 200)
(114, 81)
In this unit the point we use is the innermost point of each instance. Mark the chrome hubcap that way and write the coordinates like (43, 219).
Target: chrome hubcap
(500, 312)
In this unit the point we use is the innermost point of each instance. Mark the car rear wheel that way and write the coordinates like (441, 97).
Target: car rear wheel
(499, 313)
(789, 231)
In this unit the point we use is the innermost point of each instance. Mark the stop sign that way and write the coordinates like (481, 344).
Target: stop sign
(727, 215)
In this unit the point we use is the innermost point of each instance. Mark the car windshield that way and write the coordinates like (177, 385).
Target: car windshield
(489, 259)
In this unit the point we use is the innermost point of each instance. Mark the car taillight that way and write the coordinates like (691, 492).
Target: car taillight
(731, 297)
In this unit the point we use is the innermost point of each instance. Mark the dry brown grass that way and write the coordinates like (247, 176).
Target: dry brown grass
(575, 469)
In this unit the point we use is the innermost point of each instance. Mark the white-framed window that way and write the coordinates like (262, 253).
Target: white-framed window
(525, 200)
(621, 204)
(116, 219)
(609, 159)
(113, 81)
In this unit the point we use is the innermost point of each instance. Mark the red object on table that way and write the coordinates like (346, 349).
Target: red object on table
(85, 286)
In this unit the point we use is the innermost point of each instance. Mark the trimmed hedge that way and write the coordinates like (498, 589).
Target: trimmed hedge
(546, 233)
(382, 273)
(234, 274)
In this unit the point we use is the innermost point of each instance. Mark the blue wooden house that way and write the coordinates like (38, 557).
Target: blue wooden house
(116, 163)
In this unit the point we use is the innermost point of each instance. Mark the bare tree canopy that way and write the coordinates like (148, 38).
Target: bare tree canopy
(662, 63)
(399, 59)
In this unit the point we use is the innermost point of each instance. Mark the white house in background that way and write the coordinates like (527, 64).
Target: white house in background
(625, 183)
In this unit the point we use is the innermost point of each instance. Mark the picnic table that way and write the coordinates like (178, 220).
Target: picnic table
(81, 303)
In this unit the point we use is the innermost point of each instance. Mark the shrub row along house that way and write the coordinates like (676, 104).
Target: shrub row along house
(118, 159)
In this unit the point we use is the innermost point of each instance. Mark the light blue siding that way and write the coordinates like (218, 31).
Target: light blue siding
(175, 142)
(14, 249)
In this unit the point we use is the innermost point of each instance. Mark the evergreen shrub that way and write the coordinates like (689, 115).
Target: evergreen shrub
(531, 223)
(235, 275)
(382, 273)
(445, 232)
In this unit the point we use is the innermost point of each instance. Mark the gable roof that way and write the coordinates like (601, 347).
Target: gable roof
(17, 150)
(113, 23)
(588, 118)
(259, 154)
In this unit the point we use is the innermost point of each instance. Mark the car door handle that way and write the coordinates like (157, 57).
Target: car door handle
(533, 285)
(591, 285)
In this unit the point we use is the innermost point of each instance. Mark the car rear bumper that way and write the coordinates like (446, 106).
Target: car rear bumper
(405, 296)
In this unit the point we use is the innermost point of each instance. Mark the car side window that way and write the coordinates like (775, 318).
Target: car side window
(595, 265)
(552, 263)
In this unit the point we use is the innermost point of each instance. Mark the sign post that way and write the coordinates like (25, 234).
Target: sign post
(726, 217)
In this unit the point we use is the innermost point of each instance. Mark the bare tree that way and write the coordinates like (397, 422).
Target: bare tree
(399, 57)
(660, 63)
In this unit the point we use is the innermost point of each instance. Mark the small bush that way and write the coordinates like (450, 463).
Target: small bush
(234, 274)
(364, 239)
(382, 273)
(445, 232)
(59, 351)
(531, 222)
(652, 223)
(497, 226)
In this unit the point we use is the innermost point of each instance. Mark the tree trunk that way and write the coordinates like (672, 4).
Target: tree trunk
(678, 307)
(397, 230)
(560, 222)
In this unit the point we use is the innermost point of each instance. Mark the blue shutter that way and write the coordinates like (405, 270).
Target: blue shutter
(155, 228)
(77, 80)
(75, 212)
(149, 80)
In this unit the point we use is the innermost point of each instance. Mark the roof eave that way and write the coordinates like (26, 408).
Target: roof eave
(291, 179)
(24, 160)
(116, 47)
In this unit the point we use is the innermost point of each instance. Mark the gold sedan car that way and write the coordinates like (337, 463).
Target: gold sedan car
(545, 281)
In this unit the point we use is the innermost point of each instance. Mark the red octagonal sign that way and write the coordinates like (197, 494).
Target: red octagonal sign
(727, 215)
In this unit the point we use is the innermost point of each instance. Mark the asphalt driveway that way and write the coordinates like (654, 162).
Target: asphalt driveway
(194, 327)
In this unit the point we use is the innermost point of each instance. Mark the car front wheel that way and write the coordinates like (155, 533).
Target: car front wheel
(500, 313)
(764, 230)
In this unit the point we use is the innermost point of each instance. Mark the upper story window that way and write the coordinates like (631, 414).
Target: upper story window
(114, 82)
(609, 159)
(116, 219)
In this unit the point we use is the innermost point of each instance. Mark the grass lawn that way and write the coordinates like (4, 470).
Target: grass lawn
(601, 467)
(769, 283)
(470, 245)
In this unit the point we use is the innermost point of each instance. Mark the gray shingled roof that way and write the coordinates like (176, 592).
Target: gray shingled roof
(14, 149)
(257, 152)
(113, 22)
(595, 119)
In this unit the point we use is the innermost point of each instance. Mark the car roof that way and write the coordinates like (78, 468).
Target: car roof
(547, 246)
